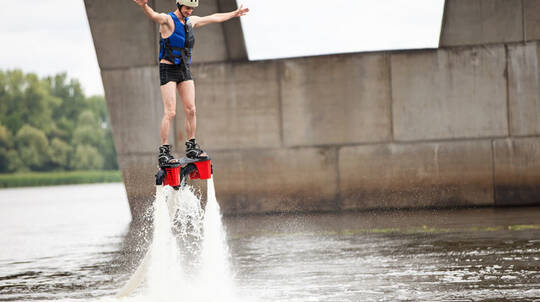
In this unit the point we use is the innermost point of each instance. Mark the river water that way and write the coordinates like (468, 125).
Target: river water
(76, 242)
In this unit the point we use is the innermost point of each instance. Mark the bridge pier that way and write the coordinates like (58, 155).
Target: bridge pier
(456, 126)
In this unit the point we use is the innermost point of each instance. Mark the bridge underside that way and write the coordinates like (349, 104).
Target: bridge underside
(456, 126)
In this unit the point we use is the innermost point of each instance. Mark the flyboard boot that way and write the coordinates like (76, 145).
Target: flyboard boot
(175, 172)
(165, 156)
(194, 151)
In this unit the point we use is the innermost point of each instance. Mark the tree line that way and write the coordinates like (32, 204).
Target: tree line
(48, 124)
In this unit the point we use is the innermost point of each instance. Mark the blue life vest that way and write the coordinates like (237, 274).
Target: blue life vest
(177, 48)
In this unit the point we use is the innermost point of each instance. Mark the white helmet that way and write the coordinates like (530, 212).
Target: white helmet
(190, 3)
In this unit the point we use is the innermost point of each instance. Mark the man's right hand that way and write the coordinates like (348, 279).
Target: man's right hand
(141, 3)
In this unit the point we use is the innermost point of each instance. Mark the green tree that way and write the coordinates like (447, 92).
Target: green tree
(88, 130)
(87, 158)
(109, 152)
(26, 100)
(73, 102)
(32, 147)
(5, 137)
(15, 162)
(97, 105)
(5, 145)
(60, 153)
(46, 121)
(3, 94)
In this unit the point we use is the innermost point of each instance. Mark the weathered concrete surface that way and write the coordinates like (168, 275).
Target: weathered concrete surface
(123, 35)
(237, 106)
(416, 175)
(517, 171)
(524, 89)
(138, 171)
(357, 131)
(449, 93)
(276, 180)
(135, 108)
(336, 100)
(532, 19)
(479, 22)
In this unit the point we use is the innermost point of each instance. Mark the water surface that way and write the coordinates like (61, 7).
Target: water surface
(76, 242)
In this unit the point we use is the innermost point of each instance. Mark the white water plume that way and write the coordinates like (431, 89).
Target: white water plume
(215, 251)
(165, 277)
(187, 222)
(188, 259)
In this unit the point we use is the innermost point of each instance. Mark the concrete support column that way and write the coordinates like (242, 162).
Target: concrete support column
(456, 126)
(126, 43)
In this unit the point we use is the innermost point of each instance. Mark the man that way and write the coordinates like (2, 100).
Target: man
(176, 45)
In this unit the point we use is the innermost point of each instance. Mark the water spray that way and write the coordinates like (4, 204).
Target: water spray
(189, 256)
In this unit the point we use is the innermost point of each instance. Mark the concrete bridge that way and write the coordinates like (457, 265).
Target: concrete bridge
(456, 126)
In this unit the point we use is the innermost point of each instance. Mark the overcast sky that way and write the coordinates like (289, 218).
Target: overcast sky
(47, 37)
(314, 27)
(51, 36)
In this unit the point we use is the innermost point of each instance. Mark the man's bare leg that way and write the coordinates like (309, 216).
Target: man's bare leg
(168, 94)
(186, 90)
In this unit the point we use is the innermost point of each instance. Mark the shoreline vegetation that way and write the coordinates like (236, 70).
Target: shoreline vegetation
(51, 133)
(48, 124)
(34, 179)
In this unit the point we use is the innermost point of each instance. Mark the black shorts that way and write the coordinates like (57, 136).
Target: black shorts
(176, 73)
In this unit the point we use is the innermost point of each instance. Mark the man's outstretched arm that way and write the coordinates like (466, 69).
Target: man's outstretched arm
(148, 11)
(218, 18)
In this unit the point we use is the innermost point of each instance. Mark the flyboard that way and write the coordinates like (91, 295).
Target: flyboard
(174, 174)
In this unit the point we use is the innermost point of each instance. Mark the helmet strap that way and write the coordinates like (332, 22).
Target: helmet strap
(180, 10)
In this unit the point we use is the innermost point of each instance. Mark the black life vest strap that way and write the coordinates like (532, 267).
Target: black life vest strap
(188, 35)
(185, 57)
(185, 53)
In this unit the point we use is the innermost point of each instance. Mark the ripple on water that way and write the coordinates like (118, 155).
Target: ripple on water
(469, 255)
